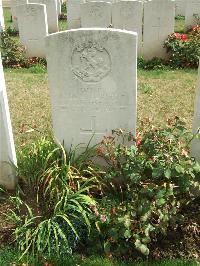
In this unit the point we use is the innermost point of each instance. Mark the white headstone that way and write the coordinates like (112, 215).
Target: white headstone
(2, 25)
(14, 4)
(74, 14)
(59, 6)
(93, 83)
(6, 3)
(159, 22)
(52, 14)
(128, 15)
(32, 22)
(192, 14)
(96, 14)
(180, 6)
(195, 147)
(8, 159)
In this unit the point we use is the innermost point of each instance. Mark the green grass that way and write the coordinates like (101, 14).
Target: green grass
(62, 25)
(7, 17)
(179, 25)
(162, 94)
(10, 256)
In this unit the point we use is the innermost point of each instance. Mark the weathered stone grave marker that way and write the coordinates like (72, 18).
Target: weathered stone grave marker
(92, 77)
(8, 159)
(52, 14)
(32, 22)
(14, 4)
(195, 147)
(2, 25)
(96, 14)
(128, 15)
(59, 5)
(180, 7)
(192, 14)
(158, 24)
(74, 14)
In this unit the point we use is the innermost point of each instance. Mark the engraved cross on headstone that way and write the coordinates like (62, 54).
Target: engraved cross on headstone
(92, 128)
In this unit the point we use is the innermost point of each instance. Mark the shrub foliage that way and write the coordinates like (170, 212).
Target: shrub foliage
(118, 207)
(184, 49)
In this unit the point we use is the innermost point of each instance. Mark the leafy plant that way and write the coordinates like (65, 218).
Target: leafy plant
(184, 50)
(153, 64)
(152, 180)
(138, 192)
(52, 206)
(64, 7)
(145, 88)
(2, 193)
(13, 54)
(12, 32)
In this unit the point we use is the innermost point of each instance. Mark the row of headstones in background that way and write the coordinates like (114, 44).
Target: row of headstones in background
(158, 16)
(2, 25)
(191, 10)
(53, 9)
(6, 3)
(180, 7)
(35, 21)
(8, 159)
(192, 14)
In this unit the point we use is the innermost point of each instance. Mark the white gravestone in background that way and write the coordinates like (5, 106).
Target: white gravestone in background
(96, 14)
(159, 22)
(93, 83)
(74, 13)
(195, 146)
(59, 5)
(33, 28)
(2, 25)
(52, 14)
(180, 7)
(8, 159)
(14, 4)
(192, 14)
(6, 3)
(128, 15)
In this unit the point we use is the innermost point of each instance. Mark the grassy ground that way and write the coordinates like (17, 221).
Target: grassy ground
(10, 257)
(179, 25)
(7, 17)
(161, 95)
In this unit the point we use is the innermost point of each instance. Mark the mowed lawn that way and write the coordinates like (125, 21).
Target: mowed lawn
(161, 95)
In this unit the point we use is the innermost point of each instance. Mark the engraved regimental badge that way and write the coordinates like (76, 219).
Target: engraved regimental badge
(90, 62)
